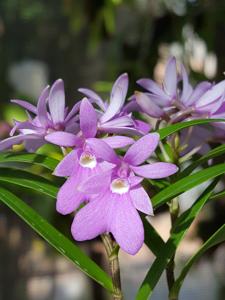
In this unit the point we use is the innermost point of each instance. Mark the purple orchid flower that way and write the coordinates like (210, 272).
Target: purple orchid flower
(204, 100)
(81, 162)
(118, 194)
(159, 96)
(34, 130)
(113, 118)
(173, 104)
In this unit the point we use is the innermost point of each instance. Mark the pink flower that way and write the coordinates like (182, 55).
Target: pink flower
(117, 194)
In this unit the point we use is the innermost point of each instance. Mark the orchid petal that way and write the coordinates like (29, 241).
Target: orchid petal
(63, 139)
(148, 106)
(118, 141)
(199, 90)
(117, 98)
(141, 200)
(25, 105)
(96, 183)
(170, 79)
(57, 102)
(126, 225)
(93, 96)
(15, 140)
(42, 107)
(212, 94)
(187, 88)
(142, 149)
(91, 220)
(88, 119)
(67, 165)
(68, 198)
(156, 170)
(151, 86)
(103, 150)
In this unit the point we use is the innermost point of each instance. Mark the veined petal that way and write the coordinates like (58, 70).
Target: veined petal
(15, 140)
(142, 126)
(151, 86)
(92, 219)
(63, 139)
(141, 200)
(118, 141)
(57, 102)
(73, 111)
(25, 105)
(170, 79)
(103, 150)
(67, 165)
(212, 94)
(199, 90)
(118, 122)
(68, 198)
(88, 119)
(117, 98)
(187, 88)
(42, 107)
(156, 170)
(142, 149)
(126, 225)
(96, 184)
(93, 96)
(148, 106)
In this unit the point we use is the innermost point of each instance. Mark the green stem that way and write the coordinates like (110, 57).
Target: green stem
(174, 212)
(112, 250)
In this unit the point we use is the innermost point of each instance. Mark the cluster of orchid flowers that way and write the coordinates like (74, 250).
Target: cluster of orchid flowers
(103, 186)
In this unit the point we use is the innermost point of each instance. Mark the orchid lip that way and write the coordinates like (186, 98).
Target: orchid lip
(119, 186)
(88, 160)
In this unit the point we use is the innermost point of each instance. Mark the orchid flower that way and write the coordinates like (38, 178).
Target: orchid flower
(118, 194)
(34, 130)
(81, 162)
(113, 118)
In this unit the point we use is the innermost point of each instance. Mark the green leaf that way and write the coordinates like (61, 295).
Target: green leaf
(36, 159)
(152, 239)
(164, 132)
(166, 253)
(211, 154)
(217, 238)
(56, 239)
(30, 181)
(187, 183)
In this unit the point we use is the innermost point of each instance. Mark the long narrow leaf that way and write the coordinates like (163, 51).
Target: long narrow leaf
(55, 238)
(187, 183)
(217, 238)
(36, 159)
(29, 181)
(152, 239)
(211, 154)
(164, 132)
(180, 228)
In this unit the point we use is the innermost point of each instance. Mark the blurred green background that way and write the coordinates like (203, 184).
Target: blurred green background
(88, 44)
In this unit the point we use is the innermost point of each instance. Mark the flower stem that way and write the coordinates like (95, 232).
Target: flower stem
(112, 249)
(174, 212)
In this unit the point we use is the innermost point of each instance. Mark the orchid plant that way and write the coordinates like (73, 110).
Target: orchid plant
(121, 161)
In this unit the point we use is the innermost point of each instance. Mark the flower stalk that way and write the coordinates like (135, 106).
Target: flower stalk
(174, 212)
(112, 250)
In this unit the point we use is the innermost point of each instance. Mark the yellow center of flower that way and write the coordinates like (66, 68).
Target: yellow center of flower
(87, 160)
(120, 186)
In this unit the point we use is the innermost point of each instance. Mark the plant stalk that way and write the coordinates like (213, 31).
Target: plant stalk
(174, 212)
(112, 250)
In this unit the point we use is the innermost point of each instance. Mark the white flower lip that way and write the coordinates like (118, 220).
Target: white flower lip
(88, 160)
(120, 186)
